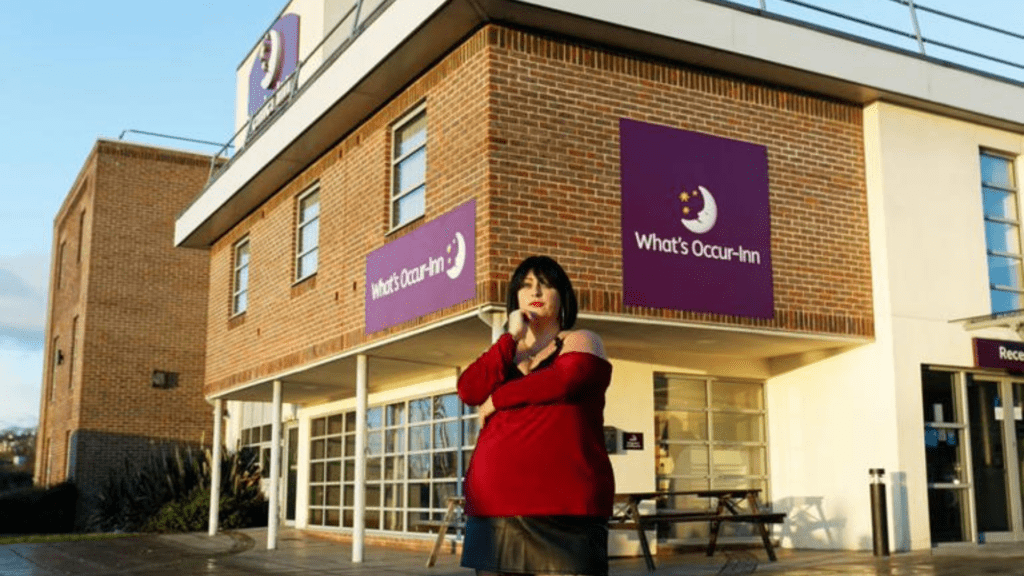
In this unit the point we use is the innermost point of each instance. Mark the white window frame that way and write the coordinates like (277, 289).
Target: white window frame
(300, 224)
(1013, 222)
(236, 269)
(397, 195)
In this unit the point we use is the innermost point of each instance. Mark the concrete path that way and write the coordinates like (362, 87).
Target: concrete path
(244, 553)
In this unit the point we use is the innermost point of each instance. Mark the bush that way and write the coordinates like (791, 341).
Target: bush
(39, 510)
(169, 492)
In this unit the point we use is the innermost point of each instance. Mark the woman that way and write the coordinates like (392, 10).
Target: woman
(539, 487)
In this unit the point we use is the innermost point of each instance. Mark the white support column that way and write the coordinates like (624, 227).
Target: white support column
(218, 423)
(273, 517)
(497, 326)
(359, 506)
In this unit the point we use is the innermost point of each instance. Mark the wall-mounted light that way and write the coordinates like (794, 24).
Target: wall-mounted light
(60, 357)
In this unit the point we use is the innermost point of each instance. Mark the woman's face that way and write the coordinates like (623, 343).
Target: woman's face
(538, 299)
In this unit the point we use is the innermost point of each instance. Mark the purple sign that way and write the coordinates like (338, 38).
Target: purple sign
(1005, 354)
(277, 54)
(696, 230)
(431, 268)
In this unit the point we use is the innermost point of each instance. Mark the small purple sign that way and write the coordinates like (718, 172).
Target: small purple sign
(277, 55)
(1005, 354)
(696, 231)
(430, 268)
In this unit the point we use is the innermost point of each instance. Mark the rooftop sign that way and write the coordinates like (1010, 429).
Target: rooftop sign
(277, 55)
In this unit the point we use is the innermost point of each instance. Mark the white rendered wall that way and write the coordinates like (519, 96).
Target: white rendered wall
(834, 419)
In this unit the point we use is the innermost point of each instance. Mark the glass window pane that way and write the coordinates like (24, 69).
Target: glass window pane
(316, 516)
(349, 495)
(350, 444)
(996, 171)
(410, 207)
(1003, 301)
(241, 302)
(318, 426)
(470, 430)
(442, 491)
(316, 472)
(446, 406)
(393, 495)
(467, 455)
(242, 255)
(373, 495)
(678, 393)
(418, 495)
(374, 443)
(334, 424)
(374, 418)
(446, 435)
(411, 172)
(316, 495)
(739, 461)
(309, 207)
(317, 449)
(741, 395)
(394, 468)
(373, 469)
(738, 427)
(684, 460)
(350, 470)
(396, 414)
(1002, 237)
(1000, 204)
(419, 466)
(419, 437)
(394, 441)
(309, 233)
(679, 425)
(411, 135)
(1004, 271)
(331, 517)
(308, 264)
(445, 464)
(334, 447)
(419, 410)
(241, 279)
(334, 471)
(350, 422)
(334, 495)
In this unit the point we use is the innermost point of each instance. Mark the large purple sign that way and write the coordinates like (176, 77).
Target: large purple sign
(431, 268)
(277, 55)
(696, 230)
(999, 354)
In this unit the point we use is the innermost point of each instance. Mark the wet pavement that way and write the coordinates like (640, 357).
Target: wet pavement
(244, 552)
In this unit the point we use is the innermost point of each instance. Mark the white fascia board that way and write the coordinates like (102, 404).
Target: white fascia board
(805, 49)
(398, 22)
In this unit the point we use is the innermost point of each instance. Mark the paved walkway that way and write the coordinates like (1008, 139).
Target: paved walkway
(244, 553)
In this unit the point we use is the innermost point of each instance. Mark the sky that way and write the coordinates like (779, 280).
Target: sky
(74, 72)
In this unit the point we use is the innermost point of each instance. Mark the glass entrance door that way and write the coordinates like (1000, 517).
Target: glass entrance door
(949, 504)
(987, 414)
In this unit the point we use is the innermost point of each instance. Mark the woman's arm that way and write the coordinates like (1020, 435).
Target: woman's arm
(480, 378)
(581, 368)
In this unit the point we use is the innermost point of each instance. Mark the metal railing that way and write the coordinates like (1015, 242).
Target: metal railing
(293, 85)
(911, 33)
(910, 38)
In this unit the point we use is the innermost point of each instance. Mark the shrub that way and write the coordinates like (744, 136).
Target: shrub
(39, 510)
(170, 492)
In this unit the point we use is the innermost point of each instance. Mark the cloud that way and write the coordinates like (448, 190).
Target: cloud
(23, 280)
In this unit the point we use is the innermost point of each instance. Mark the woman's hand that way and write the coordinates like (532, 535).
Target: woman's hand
(484, 411)
(518, 322)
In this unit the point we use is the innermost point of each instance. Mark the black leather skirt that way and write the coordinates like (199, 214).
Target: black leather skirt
(537, 545)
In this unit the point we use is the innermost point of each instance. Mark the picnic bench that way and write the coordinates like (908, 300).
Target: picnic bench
(626, 515)
(727, 509)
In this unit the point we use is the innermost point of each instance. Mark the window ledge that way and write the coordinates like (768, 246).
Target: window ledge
(304, 285)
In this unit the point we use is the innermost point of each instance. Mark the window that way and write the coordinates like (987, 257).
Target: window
(81, 235)
(71, 353)
(60, 263)
(307, 235)
(417, 453)
(409, 170)
(1002, 232)
(240, 285)
(710, 434)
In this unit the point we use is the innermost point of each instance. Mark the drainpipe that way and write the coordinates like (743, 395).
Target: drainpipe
(218, 423)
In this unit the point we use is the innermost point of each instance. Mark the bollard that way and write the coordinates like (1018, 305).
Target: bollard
(879, 515)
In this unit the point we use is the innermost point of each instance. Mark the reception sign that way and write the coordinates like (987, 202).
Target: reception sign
(431, 268)
(696, 232)
(1005, 354)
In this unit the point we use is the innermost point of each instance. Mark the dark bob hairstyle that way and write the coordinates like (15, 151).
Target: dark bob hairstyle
(551, 274)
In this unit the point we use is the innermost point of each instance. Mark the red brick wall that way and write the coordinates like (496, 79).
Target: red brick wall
(140, 302)
(529, 127)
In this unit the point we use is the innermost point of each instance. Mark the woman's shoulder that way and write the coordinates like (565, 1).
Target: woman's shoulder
(583, 341)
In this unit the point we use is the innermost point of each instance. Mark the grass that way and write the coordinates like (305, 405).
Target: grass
(47, 538)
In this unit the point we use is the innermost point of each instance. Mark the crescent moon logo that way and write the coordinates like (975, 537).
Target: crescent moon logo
(271, 57)
(706, 218)
(455, 268)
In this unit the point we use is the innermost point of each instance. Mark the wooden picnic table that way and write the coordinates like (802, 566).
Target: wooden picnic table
(727, 509)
